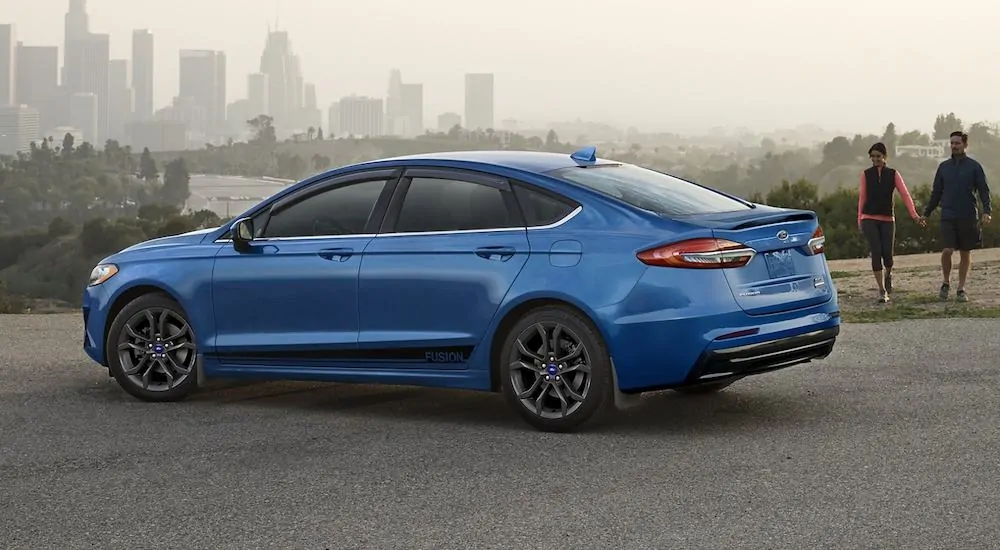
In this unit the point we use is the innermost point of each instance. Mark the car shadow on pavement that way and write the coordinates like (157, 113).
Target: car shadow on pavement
(736, 408)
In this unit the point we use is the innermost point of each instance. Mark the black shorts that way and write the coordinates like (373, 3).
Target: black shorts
(961, 234)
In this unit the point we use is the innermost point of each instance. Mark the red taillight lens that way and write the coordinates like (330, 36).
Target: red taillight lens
(817, 244)
(699, 254)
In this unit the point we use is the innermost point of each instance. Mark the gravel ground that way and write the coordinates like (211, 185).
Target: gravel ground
(893, 442)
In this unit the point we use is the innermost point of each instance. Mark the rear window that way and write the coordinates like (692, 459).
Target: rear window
(650, 190)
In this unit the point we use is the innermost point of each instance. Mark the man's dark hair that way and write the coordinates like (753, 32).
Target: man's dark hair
(961, 134)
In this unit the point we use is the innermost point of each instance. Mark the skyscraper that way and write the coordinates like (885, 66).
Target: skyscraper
(413, 109)
(285, 85)
(77, 27)
(258, 88)
(361, 116)
(394, 103)
(142, 73)
(18, 128)
(122, 102)
(38, 81)
(84, 113)
(86, 72)
(203, 79)
(479, 101)
(8, 65)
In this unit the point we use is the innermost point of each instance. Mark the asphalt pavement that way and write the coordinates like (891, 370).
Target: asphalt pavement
(893, 442)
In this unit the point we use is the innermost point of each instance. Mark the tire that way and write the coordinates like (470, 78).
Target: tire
(705, 389)
(562, 409)
(175, 354)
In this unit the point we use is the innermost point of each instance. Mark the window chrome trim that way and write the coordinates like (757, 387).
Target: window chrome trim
(552, 225)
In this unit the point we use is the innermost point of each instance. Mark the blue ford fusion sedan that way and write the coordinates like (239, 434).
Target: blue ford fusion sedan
(568, 283)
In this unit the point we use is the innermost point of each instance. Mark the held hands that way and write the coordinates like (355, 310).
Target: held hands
(921, 221)
(986, 219)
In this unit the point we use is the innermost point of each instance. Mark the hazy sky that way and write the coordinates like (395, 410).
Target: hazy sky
(658, 64)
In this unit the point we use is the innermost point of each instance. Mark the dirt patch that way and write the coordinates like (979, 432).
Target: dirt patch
(916, 280)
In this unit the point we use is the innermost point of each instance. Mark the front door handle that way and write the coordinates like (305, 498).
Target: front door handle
(496, 253)
(336, 254)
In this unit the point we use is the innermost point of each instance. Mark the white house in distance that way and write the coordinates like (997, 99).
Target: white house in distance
(939, 149)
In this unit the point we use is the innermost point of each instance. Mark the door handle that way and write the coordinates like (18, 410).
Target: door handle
(336, 254)
(496, 253)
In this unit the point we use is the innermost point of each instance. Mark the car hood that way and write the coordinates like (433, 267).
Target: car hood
(191, 237)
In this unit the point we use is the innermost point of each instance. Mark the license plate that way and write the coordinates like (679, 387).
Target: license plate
(780, 263)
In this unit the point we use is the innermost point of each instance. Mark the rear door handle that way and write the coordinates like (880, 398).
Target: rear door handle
(496, 253)
(336, 254)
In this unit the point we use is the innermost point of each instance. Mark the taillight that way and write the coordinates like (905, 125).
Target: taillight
(817, 244)
(699, 254)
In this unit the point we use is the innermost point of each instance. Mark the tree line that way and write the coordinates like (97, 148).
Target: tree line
(65, 206)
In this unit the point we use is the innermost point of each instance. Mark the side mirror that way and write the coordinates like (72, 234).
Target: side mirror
(242, 232)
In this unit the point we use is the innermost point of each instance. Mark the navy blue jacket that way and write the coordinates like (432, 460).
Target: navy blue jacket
(957, 182)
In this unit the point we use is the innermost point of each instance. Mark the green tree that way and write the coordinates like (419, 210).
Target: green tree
(263, 128)
(839, 151)
(176, 180)
(147, 166)
(944, 125)
(890, 139)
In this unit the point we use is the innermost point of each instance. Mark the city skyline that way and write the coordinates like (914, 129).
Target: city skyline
(98, 97)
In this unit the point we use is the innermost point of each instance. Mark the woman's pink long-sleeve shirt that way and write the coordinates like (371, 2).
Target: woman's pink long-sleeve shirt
(903, 192)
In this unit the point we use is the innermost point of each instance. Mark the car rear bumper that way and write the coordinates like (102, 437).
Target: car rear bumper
(767, 356)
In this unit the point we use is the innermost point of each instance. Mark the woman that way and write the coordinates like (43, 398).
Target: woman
(875, 215)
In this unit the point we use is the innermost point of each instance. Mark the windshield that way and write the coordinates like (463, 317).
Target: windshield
(650, 190)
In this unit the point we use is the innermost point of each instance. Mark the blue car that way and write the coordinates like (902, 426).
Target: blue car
(570, 284)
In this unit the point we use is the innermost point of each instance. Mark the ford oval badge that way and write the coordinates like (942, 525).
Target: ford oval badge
(782, 234)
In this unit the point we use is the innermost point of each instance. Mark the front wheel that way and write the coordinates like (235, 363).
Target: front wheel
(151, 349)
(556, 370)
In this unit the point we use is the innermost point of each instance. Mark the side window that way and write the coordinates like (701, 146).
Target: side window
(342, 210)
(541, 208)
(433, 204)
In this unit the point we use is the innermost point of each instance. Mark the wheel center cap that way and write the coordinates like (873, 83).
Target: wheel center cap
(553, 370)
(158, 348)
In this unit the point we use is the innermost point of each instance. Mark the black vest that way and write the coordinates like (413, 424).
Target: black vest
(878, 191)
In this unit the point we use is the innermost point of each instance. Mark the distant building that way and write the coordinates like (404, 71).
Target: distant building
(59, 132)
(203, 79)
(38, 81)
(447, 121)
(237, 115)
(937, 150)
(188, 112)
(157, 135)
(8, 65)
(479, 101)
(84, 113)
(283, 69)
(361, 116)
(333, 128)
(18, 128)
(258, 87)
(86, 72)
(142, 73)
(413, 109)
(122, 100)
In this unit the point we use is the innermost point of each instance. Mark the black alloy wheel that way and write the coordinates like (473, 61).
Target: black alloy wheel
(152, 351)
(557, 370)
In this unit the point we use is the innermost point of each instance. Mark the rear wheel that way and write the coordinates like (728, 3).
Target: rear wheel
(557, 371)
(151, 349)
(703, 389)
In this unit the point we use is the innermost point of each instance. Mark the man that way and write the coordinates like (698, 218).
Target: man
(956, 184)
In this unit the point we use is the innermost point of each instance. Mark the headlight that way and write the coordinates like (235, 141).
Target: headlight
(102, 273)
